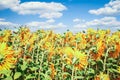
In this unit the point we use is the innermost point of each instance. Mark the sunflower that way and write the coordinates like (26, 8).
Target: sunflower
(6, 57)
(102, 76)
(24, 36)
(81, 41)
(5, 36)
(68, 51)
(69, 38)
(82, 57)
(51, 53)
(100, 48)
(116, 53)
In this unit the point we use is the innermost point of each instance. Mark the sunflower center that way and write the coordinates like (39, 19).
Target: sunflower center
(1, 58)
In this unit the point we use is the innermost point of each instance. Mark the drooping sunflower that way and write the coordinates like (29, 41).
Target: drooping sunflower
(6, 57)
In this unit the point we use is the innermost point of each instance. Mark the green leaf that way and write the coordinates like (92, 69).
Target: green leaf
(90, 71)
(17, 75)
(47, 77)
(42, 74)
(97, 35)
(33, 68)
(30, 76)
(100, 62)
(93, 63)
(5, 72)
(113, 70)
(112, 60)
(23, 67)
(66, 73)
(8, 78)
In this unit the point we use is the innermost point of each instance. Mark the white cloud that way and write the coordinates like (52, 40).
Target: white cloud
(112, 8)
(49, 24)
(51, 15)
(79, 23)
(104, 22)
(8, 3)
(2, 19)
(43, 9)
(80, 26)
(7, 25)
(50, 21)
(78, 20)
(100, 23)
(35, 25)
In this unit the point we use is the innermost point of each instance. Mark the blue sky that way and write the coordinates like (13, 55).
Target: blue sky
(60, 15)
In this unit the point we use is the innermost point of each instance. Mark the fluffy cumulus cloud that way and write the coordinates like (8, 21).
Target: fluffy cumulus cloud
(7, 25)
(49, 24)
(35, 25)
(44, 9)
(112, 8)
(8, 3)
(99, 23)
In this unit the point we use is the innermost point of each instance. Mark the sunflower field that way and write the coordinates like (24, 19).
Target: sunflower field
(45, 55)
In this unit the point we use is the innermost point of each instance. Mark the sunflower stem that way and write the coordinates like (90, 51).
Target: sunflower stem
(72, 77)
(37, 61)
(105, 59)
(41, 60)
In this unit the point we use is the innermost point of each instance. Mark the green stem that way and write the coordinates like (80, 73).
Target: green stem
(75, 73)
(104, 64)
(62, 67)
(72, 77)
(37, 61)
(41, 60)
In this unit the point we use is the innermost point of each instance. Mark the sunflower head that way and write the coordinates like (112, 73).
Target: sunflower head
(2, 57)
(82, 57)
(4, 35)
(68, 51)
(6, 57)
(102, 76)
